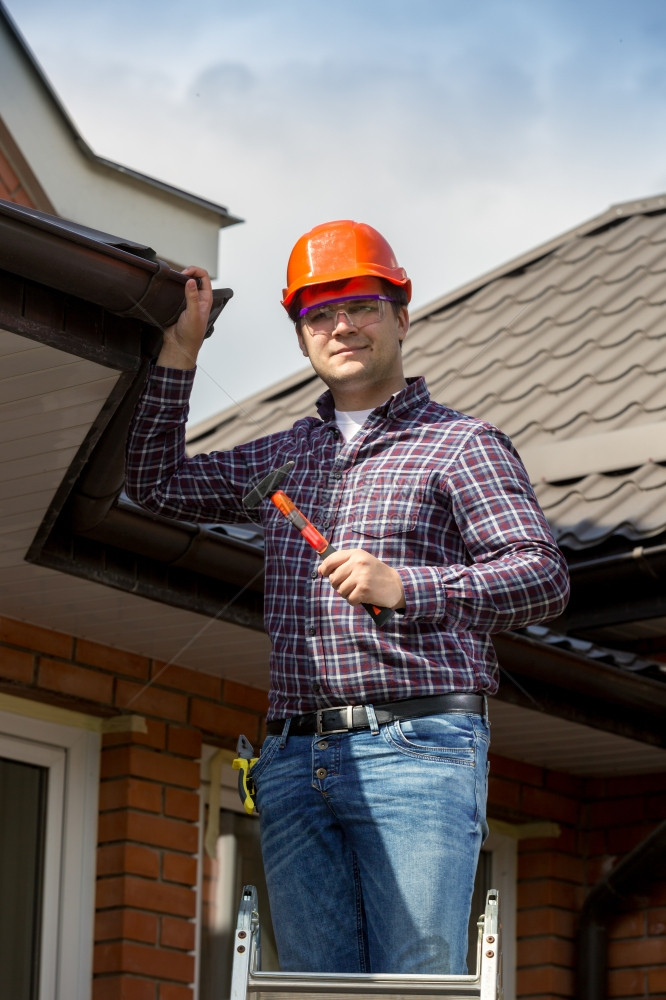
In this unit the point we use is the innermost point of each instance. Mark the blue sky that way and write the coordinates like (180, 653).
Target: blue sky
(466, 133)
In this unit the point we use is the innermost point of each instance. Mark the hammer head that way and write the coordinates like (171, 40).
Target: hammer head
(268, 485)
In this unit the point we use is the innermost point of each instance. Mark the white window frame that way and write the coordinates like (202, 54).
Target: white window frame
(503, 850)
(71, 755)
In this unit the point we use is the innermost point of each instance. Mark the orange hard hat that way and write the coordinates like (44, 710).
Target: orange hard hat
(338, 250)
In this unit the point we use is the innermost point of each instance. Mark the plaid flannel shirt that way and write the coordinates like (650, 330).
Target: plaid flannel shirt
(440, 496)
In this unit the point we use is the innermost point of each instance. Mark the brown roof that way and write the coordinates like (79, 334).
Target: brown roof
(563, 348)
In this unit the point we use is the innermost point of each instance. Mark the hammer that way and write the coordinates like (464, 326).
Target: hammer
(268, 487)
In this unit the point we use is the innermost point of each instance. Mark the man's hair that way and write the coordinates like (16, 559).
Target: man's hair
(396, 293)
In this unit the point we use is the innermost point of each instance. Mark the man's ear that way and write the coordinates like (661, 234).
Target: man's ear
(403, 322)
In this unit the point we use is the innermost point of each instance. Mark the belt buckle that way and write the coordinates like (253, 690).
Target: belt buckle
(348, 709)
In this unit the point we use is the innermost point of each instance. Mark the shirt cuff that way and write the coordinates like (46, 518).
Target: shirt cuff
(425, 594)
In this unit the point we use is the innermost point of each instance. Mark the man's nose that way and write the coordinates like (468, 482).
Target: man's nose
(342, 316)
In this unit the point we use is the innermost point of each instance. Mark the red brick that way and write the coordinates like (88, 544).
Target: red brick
(644, 951)
(130, 792)
(228, 722)
(184, 741)
(21, 197)
(656, 921)
(548, 982)
(567, 784)
(539, 922)
(15, 665)
(629, 925)
(636, 784)
(621, 840)
(131, 859)
(614, 812)
(117, 661)
(143, 763)
(242, 696)
(179, 868)
(546, 892)
(189, 681)
(181, 804)
(142, 894)
(546, 951)
(516, 770)
(550, 864)
(626, 983)
(540, 803)
(177, 934)
(168, 991)
(155, 736)
(144, 828)
(151, 701)
(657, 983)
(76, 681)
(142, 960)
(8, 175)
(132, 925)
(122, 988)
(502, 792)
(32, 637)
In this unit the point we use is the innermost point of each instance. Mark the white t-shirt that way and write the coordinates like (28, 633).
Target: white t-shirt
(350, 421)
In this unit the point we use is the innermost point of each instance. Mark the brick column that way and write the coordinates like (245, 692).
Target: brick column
(147, 864)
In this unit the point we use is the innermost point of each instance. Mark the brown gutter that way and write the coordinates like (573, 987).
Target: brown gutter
(123, 277)
(542, 677)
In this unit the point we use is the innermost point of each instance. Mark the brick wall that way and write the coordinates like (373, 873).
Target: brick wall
(148, 831)
(550, 873)
(11, 188)
(600, 821)
(621, 812)
(148, 826)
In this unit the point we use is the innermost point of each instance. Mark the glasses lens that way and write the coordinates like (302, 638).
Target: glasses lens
(359, 312)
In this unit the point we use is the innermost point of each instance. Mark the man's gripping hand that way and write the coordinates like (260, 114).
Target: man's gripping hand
(361, 578)
(183, 340)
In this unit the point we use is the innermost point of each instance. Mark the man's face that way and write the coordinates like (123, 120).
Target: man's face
(363, 360)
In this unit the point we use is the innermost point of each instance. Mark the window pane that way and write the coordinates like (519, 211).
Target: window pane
(22, 808)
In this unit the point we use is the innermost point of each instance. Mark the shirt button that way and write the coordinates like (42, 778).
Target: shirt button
(321, 772)
(314, 574)
(316, 687)
(336, 475)
(312, 630)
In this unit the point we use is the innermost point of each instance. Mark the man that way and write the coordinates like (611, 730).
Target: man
(373, 816)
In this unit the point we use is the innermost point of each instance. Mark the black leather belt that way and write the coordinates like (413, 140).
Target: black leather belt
(347, 717)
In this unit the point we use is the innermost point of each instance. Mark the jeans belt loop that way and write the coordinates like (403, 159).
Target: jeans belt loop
(285, 734)
(348, 710)
(372, 719)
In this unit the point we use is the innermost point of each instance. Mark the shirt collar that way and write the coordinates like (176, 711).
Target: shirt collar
(415, 394)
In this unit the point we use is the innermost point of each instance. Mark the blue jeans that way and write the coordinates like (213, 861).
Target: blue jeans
(370, 843)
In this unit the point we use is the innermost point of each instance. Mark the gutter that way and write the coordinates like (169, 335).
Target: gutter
(605, 899)
(614, 589)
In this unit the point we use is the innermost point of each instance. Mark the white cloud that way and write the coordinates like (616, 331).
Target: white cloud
(466, 133)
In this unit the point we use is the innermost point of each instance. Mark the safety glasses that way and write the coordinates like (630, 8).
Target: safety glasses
(357, 310)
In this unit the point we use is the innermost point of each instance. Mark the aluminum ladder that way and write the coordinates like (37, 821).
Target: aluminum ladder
(248, 982)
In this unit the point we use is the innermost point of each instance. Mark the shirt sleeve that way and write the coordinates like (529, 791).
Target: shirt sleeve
(515, 574)
(160, 477)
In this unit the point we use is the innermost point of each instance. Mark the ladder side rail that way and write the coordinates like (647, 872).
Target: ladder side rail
(247, 943)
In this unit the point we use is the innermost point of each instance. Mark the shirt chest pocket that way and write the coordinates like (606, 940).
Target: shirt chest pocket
(383, 509)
